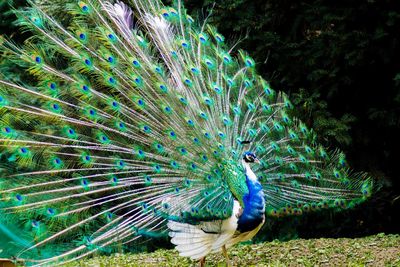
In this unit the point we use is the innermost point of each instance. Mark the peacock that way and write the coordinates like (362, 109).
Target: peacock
(123, 121)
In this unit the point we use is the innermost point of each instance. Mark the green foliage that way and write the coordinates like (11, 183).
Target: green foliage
(319, 117)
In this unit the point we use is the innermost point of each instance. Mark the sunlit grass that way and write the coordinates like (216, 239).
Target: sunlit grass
(377, 250)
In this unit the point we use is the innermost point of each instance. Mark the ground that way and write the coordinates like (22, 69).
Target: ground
(377, 250)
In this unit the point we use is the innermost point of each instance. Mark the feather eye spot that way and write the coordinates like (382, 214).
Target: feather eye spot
(84, 182)
(111, 36)
(219, 38)
(247, 83)
(121, 125)
(36, 21)
(82, 36)
(35, 224)
(187, 182)
(52, 86)
(227, 59)
(50, 211)
(217, 89)
(7, 129)
(18, 197)
(38, 59)
(85, 8)
(249, 62)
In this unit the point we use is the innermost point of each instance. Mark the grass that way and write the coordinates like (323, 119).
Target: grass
(377, 250)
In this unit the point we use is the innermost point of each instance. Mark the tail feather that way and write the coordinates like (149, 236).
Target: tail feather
(190, 240)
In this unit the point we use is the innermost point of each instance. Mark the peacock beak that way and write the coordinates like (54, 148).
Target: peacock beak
(257, 161)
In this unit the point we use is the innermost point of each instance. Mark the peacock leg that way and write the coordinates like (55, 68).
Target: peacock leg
(202, 262)
(228, 262)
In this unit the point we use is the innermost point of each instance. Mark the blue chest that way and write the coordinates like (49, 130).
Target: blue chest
(254, 207)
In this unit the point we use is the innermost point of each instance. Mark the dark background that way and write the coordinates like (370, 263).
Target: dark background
(340, 63)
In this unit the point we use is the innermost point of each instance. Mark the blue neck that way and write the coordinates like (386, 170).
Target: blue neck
(254, 204)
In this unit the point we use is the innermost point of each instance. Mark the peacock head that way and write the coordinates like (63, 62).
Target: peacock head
(250, 157)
